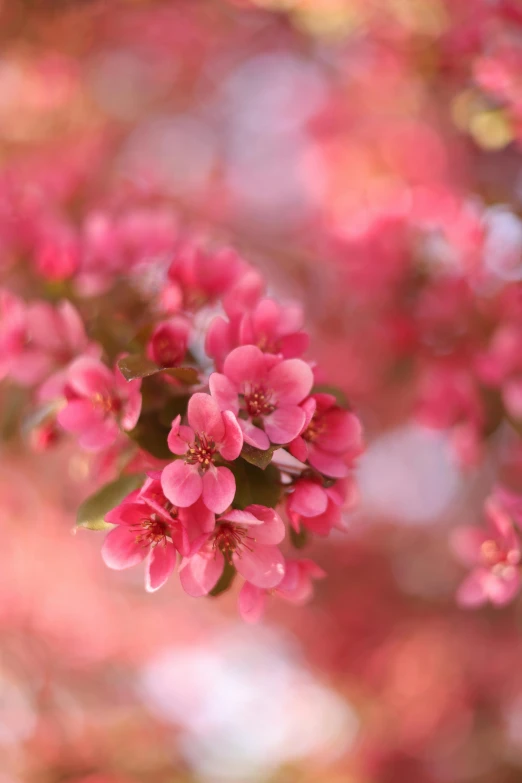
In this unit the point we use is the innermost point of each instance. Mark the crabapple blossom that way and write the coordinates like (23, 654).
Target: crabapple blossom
(98, 402)
(265, 393)
(168, 343)
(248, 540)
(209, 434)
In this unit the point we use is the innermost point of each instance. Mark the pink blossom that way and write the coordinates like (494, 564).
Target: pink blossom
(210, 433)
(98, 403)
(494, 555)
(149, 527)
(295, 587)
(248, 540)
(319, 509)
(264, 392)
(58, 252)
(269, 325)
(168, 343)
(330, 437)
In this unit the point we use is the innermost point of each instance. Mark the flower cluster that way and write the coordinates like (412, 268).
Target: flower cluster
(239, 450)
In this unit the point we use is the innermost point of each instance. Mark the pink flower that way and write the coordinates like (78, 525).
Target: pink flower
(295, 587)
(149, 527)
(99, 401)
(210, 432)
(329, 437)
(273, 328)
(318, 508)
(494, 555)
(168, 343)
(248, 540)
(265, 392)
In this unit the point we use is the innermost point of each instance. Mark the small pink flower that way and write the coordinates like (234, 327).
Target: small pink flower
(168, 343)
(210, 432)
(329, 438)
(247, 539)
(494, 555)
(296, 587)
(263, 391)
(99, 401)
(318, 508)
(149, 527)
(273, 328)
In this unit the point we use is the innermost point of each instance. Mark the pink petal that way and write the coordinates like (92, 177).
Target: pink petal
(224, 392)
(502, 590)
(74, 330)
(466, 543)
(120, 549)
(298, 448)
(328, 464)
(251, 603)
(99, 437)
(219, 488)
(292, 380)
(343, 432)
(272, 530)
(284, 424)
(132, 409)
(181, 483)
(240, 517)
(129, 512)
(199, 574)
(78, 415)
(89, 376)
(245, 364)
(265, 318)
(218, 342)
(232, 442)
(179, 437)
(308, 499)
(264, 566)
(160, 564)
(294, 345)
(204, 416)
(198, 518)
(472, 592)
(253, 435)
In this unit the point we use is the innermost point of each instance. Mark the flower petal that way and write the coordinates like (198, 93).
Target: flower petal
(160, 564)
(292, 380)
(199, 574)
(284, 424)
(251, 603)
(232, 442)
(121, 550)
(181, 483)
(253, 435)
(308, 499)
(245, 364)
(264, 566)
(204, 416)
(223, 392)
(219, 488)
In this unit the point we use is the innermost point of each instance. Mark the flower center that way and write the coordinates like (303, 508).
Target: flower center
(150, 532)
(314, 429)
(258, 402)
(231, 539)
(201, 451)
(491, 553)
(106, 403)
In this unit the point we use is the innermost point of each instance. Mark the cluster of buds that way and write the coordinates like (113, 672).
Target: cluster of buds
(233, 452)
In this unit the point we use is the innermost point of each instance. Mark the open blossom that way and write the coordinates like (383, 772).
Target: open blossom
(329, 438)
(494, 555)
(209, 434)
(319, 509)
(98, 402)
(272, 327)
(150, 528)
(248, 540)
(265, 393)
(168, 343)
(295, 587)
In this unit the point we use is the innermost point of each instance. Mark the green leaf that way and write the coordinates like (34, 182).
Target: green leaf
(254, 485)
(299, 540)
(91, 513)
(225, 580)
(340, 396)
(258, 457)
(151, 435)
(187, 375)
(138, 366)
